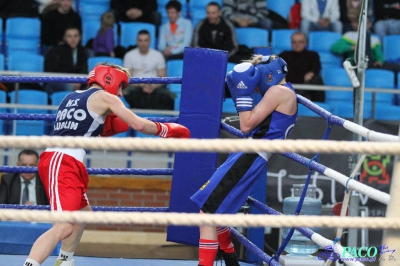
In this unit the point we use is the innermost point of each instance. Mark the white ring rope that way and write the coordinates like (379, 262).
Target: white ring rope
(193, 219)
(202, 145)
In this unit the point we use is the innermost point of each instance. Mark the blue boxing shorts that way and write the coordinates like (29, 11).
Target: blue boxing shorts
(231, 183)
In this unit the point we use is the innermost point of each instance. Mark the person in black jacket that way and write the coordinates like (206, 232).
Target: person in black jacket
(12, 187)
(216, 33)
(55, 22)
(136, 11)
(70, 57)
(304, 67)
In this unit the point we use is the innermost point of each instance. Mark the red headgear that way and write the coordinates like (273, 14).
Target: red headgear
(108, 77)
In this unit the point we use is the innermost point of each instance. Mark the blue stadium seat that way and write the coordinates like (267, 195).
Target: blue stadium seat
(22, 61)
(175, 69)
(329, 60)
(380, 78)
(3, 99)
(25, 30)
(90, 29)
(92, 10)
(57, 97)
(197, 10)
(252, 37)
(391, 51)
(305, 111)
(387, 112)
(28, 127)
(321, 41)
(228, 106)
(336, 76)
(93, 61)
(2, 62)
(230, 66)
(281, 7)
(129, 31)
(281, 40)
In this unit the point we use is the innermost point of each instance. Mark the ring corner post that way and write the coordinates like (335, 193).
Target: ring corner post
(203, 81)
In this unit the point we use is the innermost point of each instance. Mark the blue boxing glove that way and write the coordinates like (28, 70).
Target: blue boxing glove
(245, 78)
(231, 86)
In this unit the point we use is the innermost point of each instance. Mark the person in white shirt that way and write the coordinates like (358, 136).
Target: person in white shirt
(144, 61)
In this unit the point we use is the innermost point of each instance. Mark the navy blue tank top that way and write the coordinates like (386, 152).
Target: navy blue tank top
(75, 119)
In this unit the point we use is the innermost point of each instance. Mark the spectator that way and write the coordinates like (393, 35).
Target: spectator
(247, 13)
(103, 43)
(320, 15)
(144, 61)
(176, 34)
(69, 57)
(18, 8)
(136, 11)
(217, 33)
(23, 188)
(387, 17)
(55, 22)
(304, 67)
(349, 12)
(347, 44)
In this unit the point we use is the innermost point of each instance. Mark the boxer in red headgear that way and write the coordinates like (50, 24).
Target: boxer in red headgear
(89, 113)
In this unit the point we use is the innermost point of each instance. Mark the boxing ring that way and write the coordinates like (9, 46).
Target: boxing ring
(203, 78)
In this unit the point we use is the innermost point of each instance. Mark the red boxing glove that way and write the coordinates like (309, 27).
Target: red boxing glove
(113, 125)
(172, 130)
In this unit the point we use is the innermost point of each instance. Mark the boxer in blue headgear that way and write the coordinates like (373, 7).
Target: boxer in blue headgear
(272, 118)
(273, 70)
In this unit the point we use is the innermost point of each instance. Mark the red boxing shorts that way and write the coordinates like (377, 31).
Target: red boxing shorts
(65, 180)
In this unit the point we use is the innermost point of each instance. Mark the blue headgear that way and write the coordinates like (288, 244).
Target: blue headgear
(272, 72)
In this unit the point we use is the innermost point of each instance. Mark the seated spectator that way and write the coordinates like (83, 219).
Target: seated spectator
(18, 8)
(247, 13)
(304, 67)
(320, 15)
(103, 43)
(55, 22)
(23, 188)
(349, 12)
(136, 11)
(387, 17)
(217, 33)
(144, 61)
(347, 44)
(176, 34)
(69, 57)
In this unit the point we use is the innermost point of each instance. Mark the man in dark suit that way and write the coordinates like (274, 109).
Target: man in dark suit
(23, 188)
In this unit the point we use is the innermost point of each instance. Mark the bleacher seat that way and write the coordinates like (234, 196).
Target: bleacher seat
(281, 7)
(305, 111)
(281, 40)
(230, 66)
(328, 59)
(252, 37)
(197, 10)
(175, 69)
(23, 29)
(321, 41)
(2, 62)
(22, 61)
(3, 99)
(228, 106)
(93, 61)
(92, 10)
(30, 127)
(129, 31)
(391, 51)
(58, 96)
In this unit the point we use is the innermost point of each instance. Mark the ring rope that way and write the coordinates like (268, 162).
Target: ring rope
(52, 79)
(195, 219)
(202, 145)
